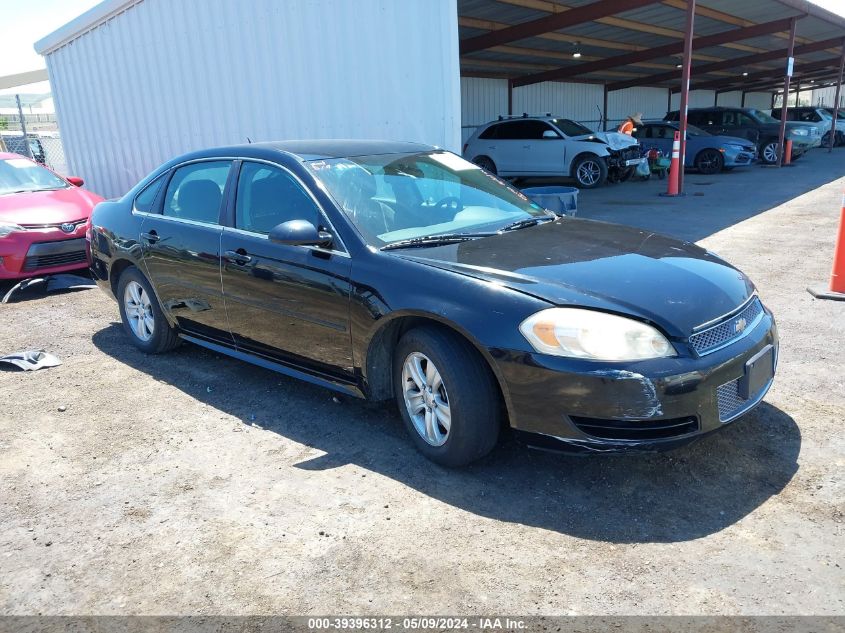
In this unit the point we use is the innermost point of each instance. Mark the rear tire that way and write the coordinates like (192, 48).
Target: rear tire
(142, 317)
(709, 161)
(446, 395)
(485, 163)
(590, 171)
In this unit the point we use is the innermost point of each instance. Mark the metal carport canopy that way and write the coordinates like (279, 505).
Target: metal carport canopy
(626, 43)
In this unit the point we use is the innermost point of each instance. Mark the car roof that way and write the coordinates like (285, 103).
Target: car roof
(8, 155)
(341, 148)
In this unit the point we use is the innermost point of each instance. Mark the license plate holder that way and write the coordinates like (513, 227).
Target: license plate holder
(759, 370)
(633, 161)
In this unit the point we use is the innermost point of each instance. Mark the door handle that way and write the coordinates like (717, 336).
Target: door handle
(237, 257)
(151, 237)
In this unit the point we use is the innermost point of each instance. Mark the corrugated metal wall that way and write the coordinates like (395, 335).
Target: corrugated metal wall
(759, 100)
(571, 100)
(167, 77)
(651, 102)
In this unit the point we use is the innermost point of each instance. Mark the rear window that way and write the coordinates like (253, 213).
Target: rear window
(145, 200)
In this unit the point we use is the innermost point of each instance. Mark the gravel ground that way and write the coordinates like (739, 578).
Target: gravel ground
(190, 483)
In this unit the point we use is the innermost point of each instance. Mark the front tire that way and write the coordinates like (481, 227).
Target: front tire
(446, 396)
(143, 320)
(709, 161)
(590, 172)
(769, 152)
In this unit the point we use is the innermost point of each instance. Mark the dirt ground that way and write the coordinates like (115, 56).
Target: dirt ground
(194, 484)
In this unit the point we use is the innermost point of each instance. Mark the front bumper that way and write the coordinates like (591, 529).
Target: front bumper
(739, 157)
(42, 251)
(651, 405)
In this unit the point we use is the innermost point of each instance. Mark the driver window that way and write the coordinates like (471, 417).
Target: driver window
(268, 196)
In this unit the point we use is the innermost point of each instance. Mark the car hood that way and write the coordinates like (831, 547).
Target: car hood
(47, 207)
(675, 284)
(614, 140)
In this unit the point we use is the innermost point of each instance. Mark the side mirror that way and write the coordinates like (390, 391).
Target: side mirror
(300, 233)
(76, 181)
(550, 134)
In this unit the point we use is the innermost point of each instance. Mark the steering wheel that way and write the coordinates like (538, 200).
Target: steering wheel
(450, 203)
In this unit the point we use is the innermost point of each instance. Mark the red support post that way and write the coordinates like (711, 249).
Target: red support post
(685, 78)
(784, 111)
(836, 100)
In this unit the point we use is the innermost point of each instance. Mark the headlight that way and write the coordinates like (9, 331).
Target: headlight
(5, 229)
(579, 333)
(800, 132)
(735, 148)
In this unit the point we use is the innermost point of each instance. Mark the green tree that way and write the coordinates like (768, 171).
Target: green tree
(4, 124)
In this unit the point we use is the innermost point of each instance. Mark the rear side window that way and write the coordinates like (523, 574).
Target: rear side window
(489, 133)
(144, 201)
(268, 196)
(522, 130)
(196, 192)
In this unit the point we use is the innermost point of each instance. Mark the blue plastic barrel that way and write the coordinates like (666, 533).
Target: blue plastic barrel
(561, 200)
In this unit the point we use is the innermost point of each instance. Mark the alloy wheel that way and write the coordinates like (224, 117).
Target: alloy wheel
(139, 311)
(770, 153)
(426, 399)
(588, 173)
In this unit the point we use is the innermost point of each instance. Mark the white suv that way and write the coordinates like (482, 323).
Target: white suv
(551, 146)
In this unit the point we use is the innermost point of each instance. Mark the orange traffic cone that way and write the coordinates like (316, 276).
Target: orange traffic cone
(837, 276)
(787, 154)
(674, 167)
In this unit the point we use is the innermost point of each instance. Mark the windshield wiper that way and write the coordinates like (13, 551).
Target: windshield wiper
(434, 240)
(522, 224)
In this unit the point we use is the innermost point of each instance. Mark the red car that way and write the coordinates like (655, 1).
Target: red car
(43, 219)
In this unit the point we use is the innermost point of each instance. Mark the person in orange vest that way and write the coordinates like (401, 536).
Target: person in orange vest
(628, 125)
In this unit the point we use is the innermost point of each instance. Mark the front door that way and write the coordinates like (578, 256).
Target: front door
(287, 303)
(181, 249)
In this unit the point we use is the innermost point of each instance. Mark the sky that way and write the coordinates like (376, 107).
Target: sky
(26, 21)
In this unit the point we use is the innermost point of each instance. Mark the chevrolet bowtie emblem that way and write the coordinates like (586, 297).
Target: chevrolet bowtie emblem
(740, 324)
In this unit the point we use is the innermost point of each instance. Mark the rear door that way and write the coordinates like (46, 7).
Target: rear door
(180, 243)
(511, 146)
(287, 303)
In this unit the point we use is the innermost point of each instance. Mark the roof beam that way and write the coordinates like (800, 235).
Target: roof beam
(553, 22)
(717, 84)
(631, 25)
(653, 53)
(739, 62)
(491, 25)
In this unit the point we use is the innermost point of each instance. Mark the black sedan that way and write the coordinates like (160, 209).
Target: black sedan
(396, 270)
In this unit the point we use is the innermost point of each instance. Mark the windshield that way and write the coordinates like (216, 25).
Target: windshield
(20, 175)
(696, 131)
(829, 111)
(393, 197)
(571, 128)
(762, 117)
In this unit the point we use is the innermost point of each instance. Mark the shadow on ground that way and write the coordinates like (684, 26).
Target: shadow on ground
(679, 496)
(711, 203)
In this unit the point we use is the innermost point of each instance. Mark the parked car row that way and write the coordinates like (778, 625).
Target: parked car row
(718, 139)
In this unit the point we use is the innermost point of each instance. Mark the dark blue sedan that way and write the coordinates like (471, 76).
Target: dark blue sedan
(706, 152)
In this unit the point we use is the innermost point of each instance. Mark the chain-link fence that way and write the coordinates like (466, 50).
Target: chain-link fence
(43, 142)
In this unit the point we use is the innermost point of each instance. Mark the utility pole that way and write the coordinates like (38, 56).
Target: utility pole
(27, 150)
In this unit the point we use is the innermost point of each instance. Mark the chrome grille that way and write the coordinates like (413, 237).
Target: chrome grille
(727, 330)
(729, 401)
(56, 225)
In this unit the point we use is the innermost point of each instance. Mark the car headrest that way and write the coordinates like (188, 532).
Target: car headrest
(200, 200)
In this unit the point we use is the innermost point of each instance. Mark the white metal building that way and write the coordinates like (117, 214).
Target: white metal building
(137, 82)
